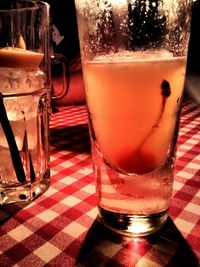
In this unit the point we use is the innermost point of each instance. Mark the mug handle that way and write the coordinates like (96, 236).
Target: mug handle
(59, 59)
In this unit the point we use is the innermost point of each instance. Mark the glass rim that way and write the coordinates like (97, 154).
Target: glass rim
(34, 5)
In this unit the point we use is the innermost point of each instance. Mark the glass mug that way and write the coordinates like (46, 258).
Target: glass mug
(24, 100)
(134, 56)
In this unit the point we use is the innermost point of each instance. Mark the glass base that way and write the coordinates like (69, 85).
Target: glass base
(133, 225)
(25, 192)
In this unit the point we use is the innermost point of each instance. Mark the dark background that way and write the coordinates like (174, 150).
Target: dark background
(194, 45)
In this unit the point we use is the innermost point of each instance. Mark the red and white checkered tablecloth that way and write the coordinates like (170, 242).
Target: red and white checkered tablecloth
(60, 228)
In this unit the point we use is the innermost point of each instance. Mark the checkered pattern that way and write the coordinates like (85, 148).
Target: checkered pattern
(60, 227)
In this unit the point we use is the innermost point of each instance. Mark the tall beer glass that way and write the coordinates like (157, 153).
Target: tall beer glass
(134, 56)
